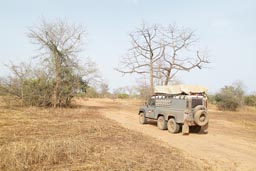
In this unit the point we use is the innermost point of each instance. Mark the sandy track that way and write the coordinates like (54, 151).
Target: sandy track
(218, 150)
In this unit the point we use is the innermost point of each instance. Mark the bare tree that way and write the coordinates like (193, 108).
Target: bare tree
(104, 89)
(27, 85)
(59, 44)
(177, 46)
(13, 85)
(161, 53)
(146, 50)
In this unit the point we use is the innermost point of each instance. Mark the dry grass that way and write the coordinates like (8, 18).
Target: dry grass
(241, 123)
(244, 115)
(78, 139)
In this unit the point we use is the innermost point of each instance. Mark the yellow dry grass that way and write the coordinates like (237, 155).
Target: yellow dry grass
(78, 139)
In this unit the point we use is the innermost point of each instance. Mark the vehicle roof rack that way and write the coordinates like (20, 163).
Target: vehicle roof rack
(180, 89)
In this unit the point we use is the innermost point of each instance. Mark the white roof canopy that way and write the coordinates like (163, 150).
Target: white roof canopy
(179, 89)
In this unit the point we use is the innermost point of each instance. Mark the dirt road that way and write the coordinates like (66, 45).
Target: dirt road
(225, 147)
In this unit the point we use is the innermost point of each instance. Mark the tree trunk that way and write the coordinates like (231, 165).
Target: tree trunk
(151, 81)
(57, 81)
(151, 74)
(167, 78)
(55, 94)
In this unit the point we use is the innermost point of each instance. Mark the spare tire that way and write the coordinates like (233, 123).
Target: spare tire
(201, 118)
(199, 107)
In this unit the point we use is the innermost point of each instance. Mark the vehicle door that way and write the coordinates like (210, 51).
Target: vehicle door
(151, 106)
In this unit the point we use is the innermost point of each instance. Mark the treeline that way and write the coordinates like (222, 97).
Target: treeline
(126, 92)
(58, 75)
(28, 87)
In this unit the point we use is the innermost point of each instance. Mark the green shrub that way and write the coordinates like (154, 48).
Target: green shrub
(37, 92)
(229, 98)
(91, 93)
(123, 96)
(250, 100)
(211, 99)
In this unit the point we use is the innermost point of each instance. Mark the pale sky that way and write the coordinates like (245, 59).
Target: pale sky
(226, 28)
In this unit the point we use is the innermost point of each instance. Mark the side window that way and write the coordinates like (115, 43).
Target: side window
(152, 102)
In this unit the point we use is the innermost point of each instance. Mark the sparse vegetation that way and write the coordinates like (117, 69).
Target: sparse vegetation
(60, 111)
(78, 139)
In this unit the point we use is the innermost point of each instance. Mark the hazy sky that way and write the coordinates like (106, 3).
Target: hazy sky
(226, 28)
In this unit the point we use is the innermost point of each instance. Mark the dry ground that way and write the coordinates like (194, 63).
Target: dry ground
(229, 145)
(82, 139)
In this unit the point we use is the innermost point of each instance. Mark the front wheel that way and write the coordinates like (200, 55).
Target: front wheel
(172, 126)
(142, 118)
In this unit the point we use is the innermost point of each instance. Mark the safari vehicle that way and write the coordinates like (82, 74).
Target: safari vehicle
(179, 107)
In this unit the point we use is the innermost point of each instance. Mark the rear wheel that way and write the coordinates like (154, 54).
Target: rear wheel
(142, 118)
(161, 123)
(172, 126)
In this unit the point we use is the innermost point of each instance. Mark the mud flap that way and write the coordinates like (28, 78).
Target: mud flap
(185, 128)
(204, 129)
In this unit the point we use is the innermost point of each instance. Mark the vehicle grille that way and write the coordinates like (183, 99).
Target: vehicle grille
(196, 102)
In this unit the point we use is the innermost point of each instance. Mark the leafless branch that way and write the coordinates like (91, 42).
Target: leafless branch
(160, 52)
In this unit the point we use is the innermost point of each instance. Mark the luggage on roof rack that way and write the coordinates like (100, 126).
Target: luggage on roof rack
(180, 89)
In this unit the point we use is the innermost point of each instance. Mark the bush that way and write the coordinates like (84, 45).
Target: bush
(36, 88)
(250, 100)
(229, 98)
(37, 92)
(91, 93)
(211, 99)
(123, 96)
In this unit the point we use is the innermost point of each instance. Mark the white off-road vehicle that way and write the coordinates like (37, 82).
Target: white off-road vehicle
(179, 107)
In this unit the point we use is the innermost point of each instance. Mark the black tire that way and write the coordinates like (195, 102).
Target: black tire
(195, 129)
(161, 123)
(172, 126)
(142, 118)
(201, 118)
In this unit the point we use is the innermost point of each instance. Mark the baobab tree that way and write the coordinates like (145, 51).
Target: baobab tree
(178, 56)
(59, 44)
(160, 53)
(146, 50)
